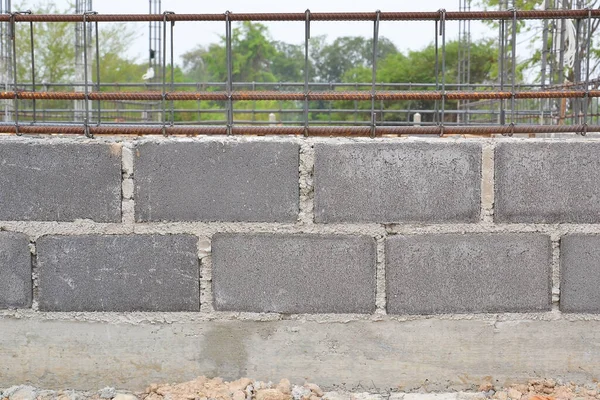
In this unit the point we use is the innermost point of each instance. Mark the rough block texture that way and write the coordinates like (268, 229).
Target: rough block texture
(15, 271)
(60, 181)
(580, 273)
(399, 182)
(118, 273)
(454, 273)
(294, 273)
(547, 182)
(216, 181)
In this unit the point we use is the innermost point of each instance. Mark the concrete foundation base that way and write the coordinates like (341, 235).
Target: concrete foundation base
(432, 353)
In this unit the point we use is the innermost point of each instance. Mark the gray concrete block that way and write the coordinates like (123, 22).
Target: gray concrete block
(15, 271)
(547, 182)
(293, 273)
(470, 273)
(397, 182)
(217, 181)
(580, 273)
(118, 273)
(43, 181)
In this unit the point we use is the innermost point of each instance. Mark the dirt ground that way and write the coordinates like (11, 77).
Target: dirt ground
(204, 388)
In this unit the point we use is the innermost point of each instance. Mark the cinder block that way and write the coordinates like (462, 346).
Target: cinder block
(44, 181)
(15, 271)
(397, 182)
(470, 273)
(580, 273)
(547, 182)
(293, 273)
(118, 273)
(217, 181)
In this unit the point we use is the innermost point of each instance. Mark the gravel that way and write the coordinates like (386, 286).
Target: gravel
(204, 388)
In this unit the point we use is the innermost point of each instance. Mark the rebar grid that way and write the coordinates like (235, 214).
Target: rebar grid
(167, 92)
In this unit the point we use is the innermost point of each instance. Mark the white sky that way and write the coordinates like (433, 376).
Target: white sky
(406, 35)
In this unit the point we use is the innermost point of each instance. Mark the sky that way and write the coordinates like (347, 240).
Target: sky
(188, 35)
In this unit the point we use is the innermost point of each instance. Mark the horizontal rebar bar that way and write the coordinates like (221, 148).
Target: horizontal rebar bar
(334, 16)
(298, 96)
(294, 130)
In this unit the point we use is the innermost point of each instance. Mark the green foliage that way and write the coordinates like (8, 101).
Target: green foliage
(54, 49)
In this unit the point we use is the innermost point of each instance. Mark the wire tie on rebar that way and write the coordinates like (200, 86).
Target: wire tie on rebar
(373, 124)
(307, 22)
(442, 18)
(512, 129)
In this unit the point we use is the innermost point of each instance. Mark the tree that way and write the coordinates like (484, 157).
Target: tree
(532, 61)
(54, 49)
(252, 56)
(334, 60)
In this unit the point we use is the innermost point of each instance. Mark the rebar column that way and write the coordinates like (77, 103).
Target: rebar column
(83, 47)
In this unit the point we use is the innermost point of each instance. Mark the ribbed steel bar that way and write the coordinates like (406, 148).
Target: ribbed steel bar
(299, 96)
(362, 131)
(333, 16)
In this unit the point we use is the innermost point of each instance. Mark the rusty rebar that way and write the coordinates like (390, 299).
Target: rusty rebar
(300, 96)
(334, 16)
(326, 131)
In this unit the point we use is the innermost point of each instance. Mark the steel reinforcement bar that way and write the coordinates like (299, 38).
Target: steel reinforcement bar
(323, 131)
(329, 16)
(300, 96)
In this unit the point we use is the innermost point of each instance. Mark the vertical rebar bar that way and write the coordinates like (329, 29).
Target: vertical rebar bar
(513, 67)
(374, 72)
(544, 61)
(229, 72)
(306, 39)
(443, 34)
(85, 77)
(586, 99)
(13, 37)
(172, 73)
(437, 74)
(32, 68)
(164, 75)
(501, 72)
(98, 106)
(577, 72)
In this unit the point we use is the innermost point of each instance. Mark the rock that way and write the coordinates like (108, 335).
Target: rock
(154, 396)
(239, 385)
(486, 387)
(501, 395)
(152, 388)
(107, 393)
(43, 395)
(490, 393)
(125, 396)
(314, 397)
(549, 383)
(271, 394)
(239, 395)
(314, 388)
(514, 394)
(21, 393)
(284, 386)
(299, 392)
(522, 388)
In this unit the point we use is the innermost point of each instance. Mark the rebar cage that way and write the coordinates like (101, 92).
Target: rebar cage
(510, 106)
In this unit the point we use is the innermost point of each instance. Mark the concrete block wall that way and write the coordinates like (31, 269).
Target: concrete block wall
(328, 230)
